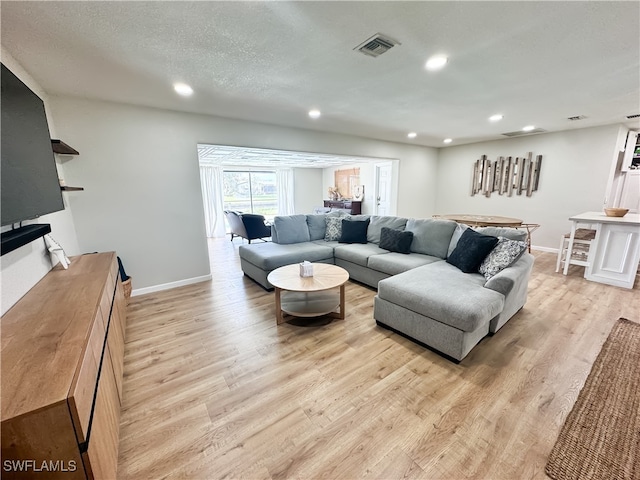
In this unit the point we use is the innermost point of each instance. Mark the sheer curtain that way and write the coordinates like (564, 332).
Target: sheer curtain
(211, 183)
(284, 182)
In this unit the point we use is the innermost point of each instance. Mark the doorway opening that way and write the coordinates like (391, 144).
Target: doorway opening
(279, 182)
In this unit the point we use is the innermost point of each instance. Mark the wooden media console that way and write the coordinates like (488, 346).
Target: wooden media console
(62, 364)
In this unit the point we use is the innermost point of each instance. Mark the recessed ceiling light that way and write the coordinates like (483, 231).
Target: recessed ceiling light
(412, 134)
(496, 118)
(183, 89)
(448, 140)
(436, 62)
(314, 113)
(528, 128)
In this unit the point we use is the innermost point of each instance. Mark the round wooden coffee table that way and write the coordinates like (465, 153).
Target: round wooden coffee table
(309, 296)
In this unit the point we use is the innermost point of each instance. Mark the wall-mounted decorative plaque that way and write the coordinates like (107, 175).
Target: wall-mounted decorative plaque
(506, 175)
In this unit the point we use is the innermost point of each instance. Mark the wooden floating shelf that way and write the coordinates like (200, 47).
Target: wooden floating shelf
(62, 148)
(71, 189)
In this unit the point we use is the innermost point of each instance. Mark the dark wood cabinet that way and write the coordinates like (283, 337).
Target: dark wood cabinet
(354, 207)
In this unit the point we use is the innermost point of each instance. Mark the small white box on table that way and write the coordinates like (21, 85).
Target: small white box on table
(306, 269)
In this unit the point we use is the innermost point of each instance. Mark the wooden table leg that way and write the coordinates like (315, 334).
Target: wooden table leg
(279, 316)
(567, 258)
(342, 303)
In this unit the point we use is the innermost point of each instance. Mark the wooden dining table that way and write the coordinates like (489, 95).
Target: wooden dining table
(482, 220)
(492, 221)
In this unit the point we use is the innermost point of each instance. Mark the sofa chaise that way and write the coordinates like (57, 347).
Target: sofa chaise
(421, 294)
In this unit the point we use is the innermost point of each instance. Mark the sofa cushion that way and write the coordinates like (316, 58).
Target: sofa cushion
(376, 224)
(291, 229)
(442, 292)
(510, 233)
(471, 250)
(317, 225)
(269, 256)
(455, 237)
(331, 244)
(393, 263)
(395, 240)
(505, 253)
(431, 236)
(358, 253)
(354, 231)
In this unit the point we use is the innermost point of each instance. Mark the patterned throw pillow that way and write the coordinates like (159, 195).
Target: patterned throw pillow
(334, 227)
(505, 253)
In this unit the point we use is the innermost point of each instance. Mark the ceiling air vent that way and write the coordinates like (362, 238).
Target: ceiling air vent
(520, 132)
(577, 117)
(376, 45)
(637, 115)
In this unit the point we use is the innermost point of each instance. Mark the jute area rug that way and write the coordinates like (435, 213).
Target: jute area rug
(601, 436)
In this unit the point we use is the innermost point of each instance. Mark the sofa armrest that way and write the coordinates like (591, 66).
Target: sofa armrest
(505, 280)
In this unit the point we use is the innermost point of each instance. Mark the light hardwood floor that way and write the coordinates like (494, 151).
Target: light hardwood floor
(214, 389)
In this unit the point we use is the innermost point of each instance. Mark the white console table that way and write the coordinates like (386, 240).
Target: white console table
(615, 251)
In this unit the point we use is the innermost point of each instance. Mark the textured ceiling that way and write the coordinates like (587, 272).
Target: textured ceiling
(224, 155)
(535, 62)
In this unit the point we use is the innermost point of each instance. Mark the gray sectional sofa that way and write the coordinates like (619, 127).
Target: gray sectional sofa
(420, 294)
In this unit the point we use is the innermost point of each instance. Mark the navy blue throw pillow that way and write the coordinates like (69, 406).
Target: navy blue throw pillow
(354, 231)
(472, 249)
(395, 240)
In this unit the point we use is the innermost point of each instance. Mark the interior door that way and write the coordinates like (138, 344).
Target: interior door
(383, 189)
(630, 197)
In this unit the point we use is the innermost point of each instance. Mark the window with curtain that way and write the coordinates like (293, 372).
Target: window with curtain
(251, 192)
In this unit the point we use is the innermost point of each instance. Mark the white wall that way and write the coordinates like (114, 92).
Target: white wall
(417, 184)
(21, 269)
(574, 176)
(139, 167)
(307, 189)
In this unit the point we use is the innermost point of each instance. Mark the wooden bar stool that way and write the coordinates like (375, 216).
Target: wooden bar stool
(576, 252)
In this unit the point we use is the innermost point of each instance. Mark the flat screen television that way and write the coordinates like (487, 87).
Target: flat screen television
(29, 179)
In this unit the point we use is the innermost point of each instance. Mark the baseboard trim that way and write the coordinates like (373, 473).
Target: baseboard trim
(189, 281)
(544, 249)
(166, 286)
